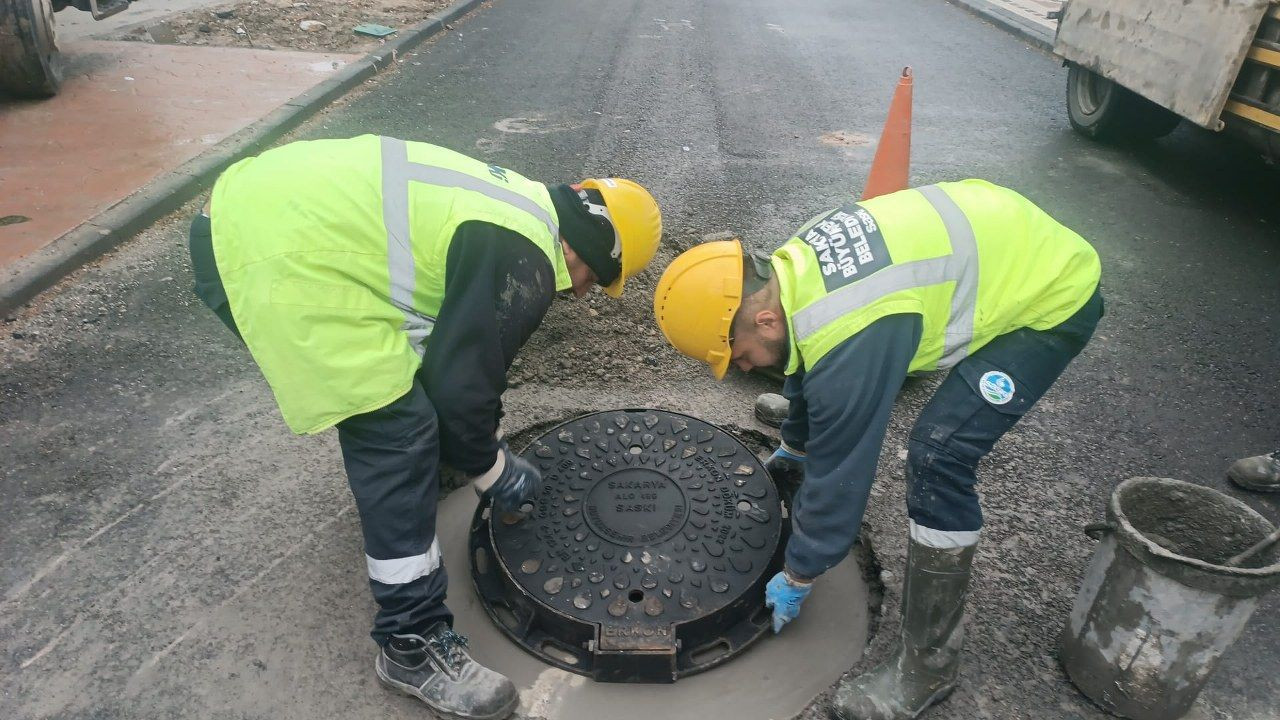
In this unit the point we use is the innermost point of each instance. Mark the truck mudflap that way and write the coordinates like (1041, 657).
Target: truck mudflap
(1184, 56)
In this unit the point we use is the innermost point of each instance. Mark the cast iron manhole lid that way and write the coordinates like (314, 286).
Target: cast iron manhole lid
(645, 556)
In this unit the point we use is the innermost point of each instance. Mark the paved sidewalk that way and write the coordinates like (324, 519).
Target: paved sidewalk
(79, 25)
(128, 113)
(138, 128)
(1028, 19)
(1035, 11)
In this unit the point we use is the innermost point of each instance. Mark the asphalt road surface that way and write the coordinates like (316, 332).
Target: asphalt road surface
(168, 549)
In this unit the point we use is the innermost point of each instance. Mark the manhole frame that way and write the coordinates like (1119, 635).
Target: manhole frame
(569, 643)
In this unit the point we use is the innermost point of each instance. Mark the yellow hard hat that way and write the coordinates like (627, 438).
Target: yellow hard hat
(637, 222)
(697, 297)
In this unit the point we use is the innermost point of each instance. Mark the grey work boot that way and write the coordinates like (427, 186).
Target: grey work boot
(925, 664)
(436, 669)
(1260, 472)
(772, 409)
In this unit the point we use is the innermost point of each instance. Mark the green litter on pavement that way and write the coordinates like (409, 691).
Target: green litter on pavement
(373, 30)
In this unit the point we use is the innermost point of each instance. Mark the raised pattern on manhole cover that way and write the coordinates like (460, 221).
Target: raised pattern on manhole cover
(649, 530)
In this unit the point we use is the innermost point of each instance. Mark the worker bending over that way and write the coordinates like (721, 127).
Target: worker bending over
(966, 276)
(384, 287)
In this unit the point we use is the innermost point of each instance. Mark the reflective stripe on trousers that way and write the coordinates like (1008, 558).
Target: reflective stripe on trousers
(398, 571)
(397, 173)
(943, 539)
(960, 267)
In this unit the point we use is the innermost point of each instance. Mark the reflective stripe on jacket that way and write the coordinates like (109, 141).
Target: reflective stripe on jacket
(975, 260)
(332, 253)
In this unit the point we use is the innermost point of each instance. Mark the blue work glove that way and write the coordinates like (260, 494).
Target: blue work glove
(518, 482)
(787, 470)
(785, 596)
(783, 453)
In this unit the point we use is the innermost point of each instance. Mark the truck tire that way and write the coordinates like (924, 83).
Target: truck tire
(1102, 110)
(30, 65)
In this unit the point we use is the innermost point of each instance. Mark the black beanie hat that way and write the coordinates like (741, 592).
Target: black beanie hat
(590, 236)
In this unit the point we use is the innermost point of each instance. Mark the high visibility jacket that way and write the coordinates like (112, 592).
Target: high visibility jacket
(332, 253)
(973, 259)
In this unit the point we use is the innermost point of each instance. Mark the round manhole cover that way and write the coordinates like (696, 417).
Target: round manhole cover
(644, 557)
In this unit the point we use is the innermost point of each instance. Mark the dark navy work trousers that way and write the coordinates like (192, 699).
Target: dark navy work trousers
(392, 458)
(983, 396)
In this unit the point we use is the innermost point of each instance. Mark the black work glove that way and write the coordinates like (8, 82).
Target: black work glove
(787, 470)
(518, 483)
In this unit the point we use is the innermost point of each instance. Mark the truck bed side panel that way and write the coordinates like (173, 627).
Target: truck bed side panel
(1183, 55)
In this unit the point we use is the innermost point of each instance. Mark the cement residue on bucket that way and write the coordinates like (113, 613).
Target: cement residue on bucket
(1158, 606)
(1184, 523)
(1188, 532)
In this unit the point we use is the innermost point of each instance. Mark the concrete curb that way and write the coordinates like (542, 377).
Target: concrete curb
(1032, 33)
(31, 275)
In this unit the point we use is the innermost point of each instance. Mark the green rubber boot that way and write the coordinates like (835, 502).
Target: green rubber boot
(925, 664)
(1260, 472)
(772, 409)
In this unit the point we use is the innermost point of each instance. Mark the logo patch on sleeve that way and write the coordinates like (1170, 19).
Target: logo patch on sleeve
(996, 387)
(848, 245)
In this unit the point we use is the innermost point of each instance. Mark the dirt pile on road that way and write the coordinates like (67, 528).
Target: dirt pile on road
(602, 340)
(285, 24)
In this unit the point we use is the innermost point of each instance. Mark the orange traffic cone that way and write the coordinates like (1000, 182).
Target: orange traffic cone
(893, 154)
